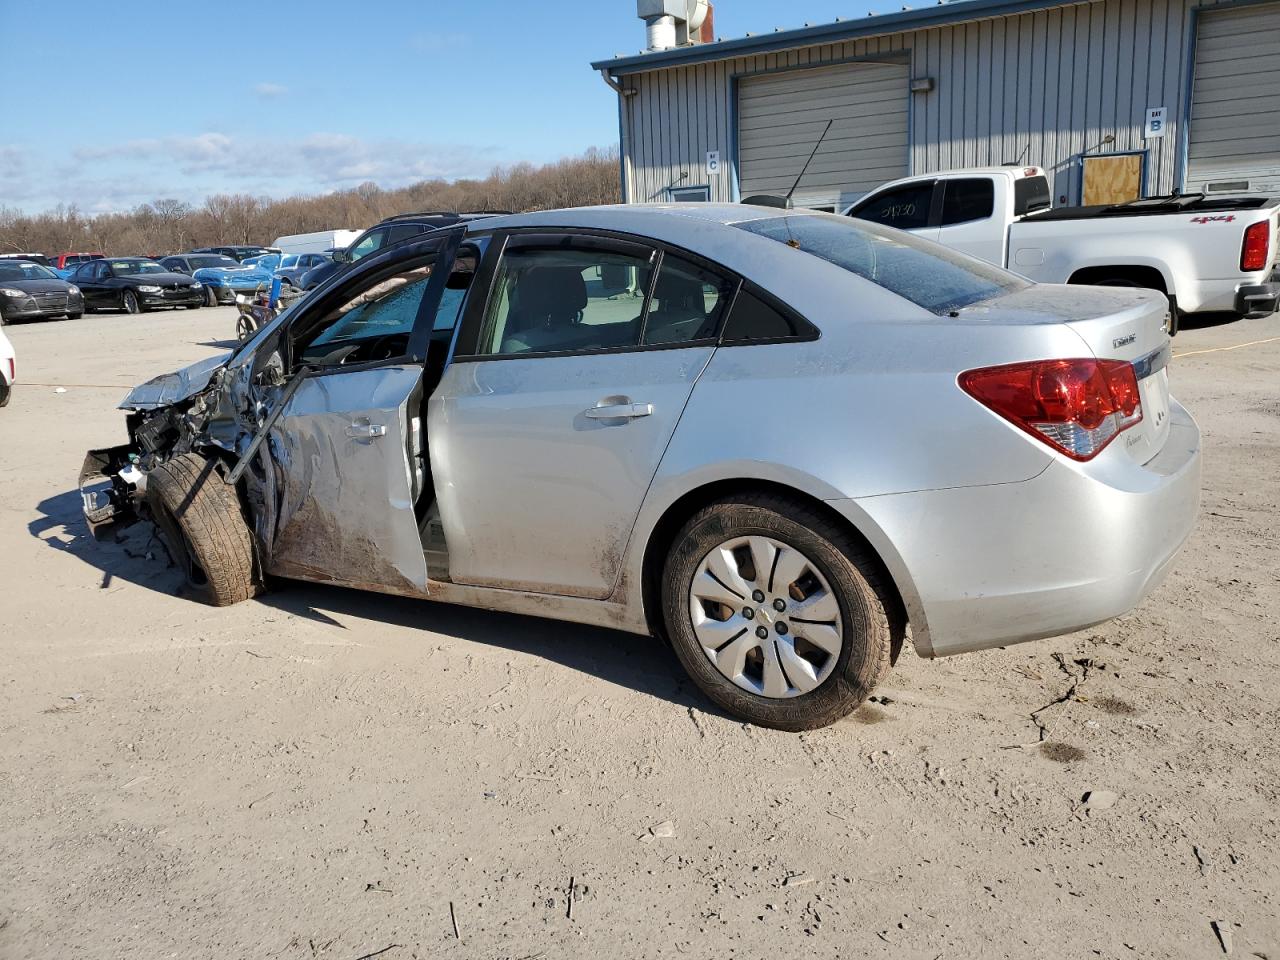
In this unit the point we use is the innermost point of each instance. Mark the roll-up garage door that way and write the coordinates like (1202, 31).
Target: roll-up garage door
(1234, 142)
(782, 115)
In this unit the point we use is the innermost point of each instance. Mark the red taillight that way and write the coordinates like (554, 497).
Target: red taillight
(1075, 406)
(1257, 241)
(13, 370)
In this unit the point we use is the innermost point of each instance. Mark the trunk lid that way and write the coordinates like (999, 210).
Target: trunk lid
(1116, 323)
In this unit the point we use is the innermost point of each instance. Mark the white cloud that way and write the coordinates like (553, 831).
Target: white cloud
(270, 91)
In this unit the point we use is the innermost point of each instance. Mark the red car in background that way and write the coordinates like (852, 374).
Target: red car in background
(68, 261)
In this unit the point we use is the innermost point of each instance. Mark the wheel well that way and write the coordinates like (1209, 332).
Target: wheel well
(1141, 276)
(678, 514)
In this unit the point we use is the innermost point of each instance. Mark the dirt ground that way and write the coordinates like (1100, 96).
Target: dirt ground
(335, 775)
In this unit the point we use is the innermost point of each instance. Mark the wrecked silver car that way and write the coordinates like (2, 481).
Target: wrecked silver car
(777, 438)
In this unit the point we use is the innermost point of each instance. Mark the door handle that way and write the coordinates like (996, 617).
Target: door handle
(619, 411)
(366, 431)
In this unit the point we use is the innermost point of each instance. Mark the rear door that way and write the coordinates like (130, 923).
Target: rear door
(563, 392)
(967, 218)
(347, 450)
(908, 206)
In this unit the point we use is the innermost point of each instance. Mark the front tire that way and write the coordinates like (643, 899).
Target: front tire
(199, 518)
(75, 316)
(210, 297)
(129, 302)
(777, 613)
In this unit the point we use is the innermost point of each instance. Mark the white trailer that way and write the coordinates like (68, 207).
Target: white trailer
(320, 242)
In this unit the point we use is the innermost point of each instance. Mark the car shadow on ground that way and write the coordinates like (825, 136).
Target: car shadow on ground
(136, 555)
(644, 664)
(1202, 321)
(219, 344)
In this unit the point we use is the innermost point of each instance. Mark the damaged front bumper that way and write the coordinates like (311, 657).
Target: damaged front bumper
(112, 488)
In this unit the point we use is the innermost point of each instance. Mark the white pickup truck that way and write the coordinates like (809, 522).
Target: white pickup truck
(1205, 253)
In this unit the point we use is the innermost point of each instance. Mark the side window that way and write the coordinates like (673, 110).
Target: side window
(374, 324)
(753, 319)
(563, 299)
(403, 231)
(964, 201)
(100, 271)
(371, 242)
(687, 303)
(905, 207)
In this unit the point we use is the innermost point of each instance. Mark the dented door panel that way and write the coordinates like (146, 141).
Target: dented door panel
(345, 502)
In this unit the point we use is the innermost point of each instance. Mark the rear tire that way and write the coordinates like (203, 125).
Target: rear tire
(6, 392)
(199, 517)
(867, 627)
(75, 316)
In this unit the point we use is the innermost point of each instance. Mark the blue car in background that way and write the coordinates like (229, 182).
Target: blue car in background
(223, 277)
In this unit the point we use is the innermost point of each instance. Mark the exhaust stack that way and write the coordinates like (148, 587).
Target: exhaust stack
(675, 23)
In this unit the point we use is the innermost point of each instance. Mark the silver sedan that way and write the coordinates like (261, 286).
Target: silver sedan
(785, 441)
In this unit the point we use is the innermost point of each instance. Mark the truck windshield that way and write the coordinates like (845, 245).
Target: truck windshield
(925, 273)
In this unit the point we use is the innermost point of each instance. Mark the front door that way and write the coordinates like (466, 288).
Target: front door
(562, 395)
(348, 449)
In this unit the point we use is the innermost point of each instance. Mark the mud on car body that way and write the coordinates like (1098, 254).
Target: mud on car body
(777, 437)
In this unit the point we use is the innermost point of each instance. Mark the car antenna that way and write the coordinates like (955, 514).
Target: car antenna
(805, 168)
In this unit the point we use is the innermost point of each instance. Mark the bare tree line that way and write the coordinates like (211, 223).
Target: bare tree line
(169, 226)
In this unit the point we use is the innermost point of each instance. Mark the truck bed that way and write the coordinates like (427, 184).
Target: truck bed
(1155, 206)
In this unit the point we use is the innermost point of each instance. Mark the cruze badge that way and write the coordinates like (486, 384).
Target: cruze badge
(1119, 342)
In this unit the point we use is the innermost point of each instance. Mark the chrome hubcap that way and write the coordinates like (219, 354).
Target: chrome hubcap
(766, 617)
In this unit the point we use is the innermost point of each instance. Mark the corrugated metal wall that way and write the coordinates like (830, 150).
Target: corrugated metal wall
(1038, 88)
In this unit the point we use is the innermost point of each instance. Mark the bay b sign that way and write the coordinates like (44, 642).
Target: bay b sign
(1155, 124)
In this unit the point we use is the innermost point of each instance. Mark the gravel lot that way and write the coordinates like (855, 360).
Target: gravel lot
(328, 774)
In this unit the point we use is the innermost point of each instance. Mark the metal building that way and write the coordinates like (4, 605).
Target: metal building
(1115, 98)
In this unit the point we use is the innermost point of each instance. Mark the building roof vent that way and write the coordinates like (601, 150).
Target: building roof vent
(676, 23)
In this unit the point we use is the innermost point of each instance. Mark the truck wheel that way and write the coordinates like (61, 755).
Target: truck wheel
(199, 517)
(776, 613)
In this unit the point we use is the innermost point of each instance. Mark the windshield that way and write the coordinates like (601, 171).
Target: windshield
(207, 263)
(289, 262)
(129, 267)
(25, 271)
(925, 273)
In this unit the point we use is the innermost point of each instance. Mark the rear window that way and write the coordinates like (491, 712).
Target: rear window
(929, 275)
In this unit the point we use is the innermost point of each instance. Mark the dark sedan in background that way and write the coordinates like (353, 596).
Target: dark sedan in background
(30, 291)
(135, 284)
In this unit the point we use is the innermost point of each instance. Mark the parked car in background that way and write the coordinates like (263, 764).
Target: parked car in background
(1204, 253)
(319, 242)
(223, 277)
(64, 263)
(263, 261)
(293, 266)
(777, 437)
(135, 285)
(238, 251)
(30, 291)
(39, 258)
(392, 230)
(8, 369)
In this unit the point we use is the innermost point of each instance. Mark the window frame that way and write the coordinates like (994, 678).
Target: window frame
(482, 290)
(442, 247)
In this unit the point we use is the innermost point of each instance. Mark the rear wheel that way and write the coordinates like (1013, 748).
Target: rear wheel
(129, 302)
(198, 515)
(75, 316)
(5, 392)
(776, 613)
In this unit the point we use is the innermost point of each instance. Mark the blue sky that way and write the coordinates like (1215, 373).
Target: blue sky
(125, 104)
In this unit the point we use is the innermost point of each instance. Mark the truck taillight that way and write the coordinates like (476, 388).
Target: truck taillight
(1257, 241)
(1075, 406)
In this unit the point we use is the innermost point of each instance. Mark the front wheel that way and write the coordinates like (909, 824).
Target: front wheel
(199, 518)
(244, 328)
(776, 613)
(75, 316)
(210, 297)
(129, 302)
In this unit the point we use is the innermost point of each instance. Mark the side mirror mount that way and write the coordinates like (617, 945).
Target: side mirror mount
(342, 256)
